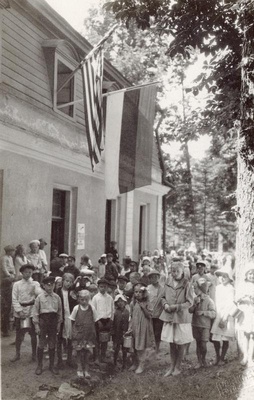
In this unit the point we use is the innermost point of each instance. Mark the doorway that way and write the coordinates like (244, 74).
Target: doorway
(60, 226)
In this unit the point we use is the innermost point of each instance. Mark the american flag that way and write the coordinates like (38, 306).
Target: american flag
(92, 86)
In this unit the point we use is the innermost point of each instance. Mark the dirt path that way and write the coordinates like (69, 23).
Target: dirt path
(231, 381)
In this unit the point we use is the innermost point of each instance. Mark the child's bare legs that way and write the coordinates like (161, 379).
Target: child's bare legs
(116, 351)
(96, 352)
(243, 344)
(79, 363)
(187, 349)
(173, 350)
(69, 361)
(85, 363)
(217, 351)
(103, 348)
(124, 351)
(134, 359)
(179, 357)
(203, 351)
(225, 345)
(141, 361)
(198, 352)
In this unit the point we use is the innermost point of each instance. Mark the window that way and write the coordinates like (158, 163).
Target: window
(61, 59)
(66, 94)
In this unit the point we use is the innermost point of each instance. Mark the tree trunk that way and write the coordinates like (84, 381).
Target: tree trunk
(245, 184)
(192, 208)
(245, 202)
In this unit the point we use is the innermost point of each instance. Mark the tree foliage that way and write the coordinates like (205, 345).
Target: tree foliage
(209, 25)
(139, 57)
(214, 196)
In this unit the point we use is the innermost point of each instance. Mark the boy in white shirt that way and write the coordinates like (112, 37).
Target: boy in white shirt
(104, 306)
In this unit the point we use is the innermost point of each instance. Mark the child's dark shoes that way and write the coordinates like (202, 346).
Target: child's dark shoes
(16, 358)
(38, 370)
(54, 370)
(71, 364)
(60, 365)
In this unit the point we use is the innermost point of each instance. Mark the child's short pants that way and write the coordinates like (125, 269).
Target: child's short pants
(201, 334)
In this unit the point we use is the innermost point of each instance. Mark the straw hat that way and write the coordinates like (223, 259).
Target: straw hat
(225, 270)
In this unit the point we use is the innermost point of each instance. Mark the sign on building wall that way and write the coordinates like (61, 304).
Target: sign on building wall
(81, 237)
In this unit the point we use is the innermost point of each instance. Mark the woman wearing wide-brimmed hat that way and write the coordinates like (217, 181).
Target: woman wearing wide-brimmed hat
(223, 329)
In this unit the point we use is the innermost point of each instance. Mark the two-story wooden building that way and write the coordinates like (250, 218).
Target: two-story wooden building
(47, 187)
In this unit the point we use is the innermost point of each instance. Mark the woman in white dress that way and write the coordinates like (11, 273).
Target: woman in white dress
(223, 329)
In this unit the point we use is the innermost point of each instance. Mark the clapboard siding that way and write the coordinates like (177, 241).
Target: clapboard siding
(21, 83)
(18, 92)
(30, 56)
(81, 122)
(32, 90)
(20, 87)
(27, 43)
(23, 64)
(26, 70)
(79, 95)
(17, 21)
(16, 55)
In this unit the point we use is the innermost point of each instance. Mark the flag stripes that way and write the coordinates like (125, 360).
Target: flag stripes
(92, 86)
(129, 140)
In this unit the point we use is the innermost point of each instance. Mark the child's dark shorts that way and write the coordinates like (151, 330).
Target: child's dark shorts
(48, 328)
(201, 334)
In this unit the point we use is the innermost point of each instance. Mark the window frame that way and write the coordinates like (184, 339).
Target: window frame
(63, 60)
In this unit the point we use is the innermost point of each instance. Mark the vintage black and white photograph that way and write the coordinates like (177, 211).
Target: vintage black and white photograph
(127, 199)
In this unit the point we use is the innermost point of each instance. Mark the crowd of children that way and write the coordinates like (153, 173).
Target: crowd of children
(138, 305)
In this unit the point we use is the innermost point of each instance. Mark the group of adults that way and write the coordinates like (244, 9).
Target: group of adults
(11, 262)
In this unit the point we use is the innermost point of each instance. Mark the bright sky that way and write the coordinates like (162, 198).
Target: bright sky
(74, 11)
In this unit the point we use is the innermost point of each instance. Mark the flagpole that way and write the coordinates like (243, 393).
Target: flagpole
(128, 89)
(94, 49)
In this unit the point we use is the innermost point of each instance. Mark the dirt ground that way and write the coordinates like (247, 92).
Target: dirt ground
(230, 381)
